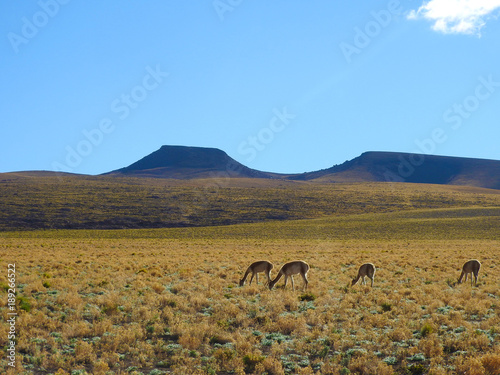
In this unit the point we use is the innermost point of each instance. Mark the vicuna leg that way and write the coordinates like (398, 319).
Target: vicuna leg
(306, 282)
(268, 274)
(286, 281)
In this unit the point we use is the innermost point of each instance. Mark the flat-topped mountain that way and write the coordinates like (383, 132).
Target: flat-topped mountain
(415, 168)
(195, 186)
(183, 162)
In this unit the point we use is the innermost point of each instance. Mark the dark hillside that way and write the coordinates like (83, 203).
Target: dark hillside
(414, 168)
(187, 163)
(181, 162)
(31, 201)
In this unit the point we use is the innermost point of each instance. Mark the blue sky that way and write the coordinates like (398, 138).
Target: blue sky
(282, 86)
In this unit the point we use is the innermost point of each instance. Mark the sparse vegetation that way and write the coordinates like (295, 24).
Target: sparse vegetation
(102, 316)
(103, 202)
(158, 301)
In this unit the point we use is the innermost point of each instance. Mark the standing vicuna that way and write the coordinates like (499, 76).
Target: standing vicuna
(255, 268)
(366, 269)
(289, 269)
(471, 267)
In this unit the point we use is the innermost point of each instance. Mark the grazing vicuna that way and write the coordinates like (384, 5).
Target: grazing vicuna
(255, 268)
(289, 269)
(366, 269)
(470, 268)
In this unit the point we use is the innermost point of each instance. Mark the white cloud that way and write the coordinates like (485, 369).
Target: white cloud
(457, 16)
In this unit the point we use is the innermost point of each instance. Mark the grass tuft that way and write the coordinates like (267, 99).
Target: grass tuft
(426, 330)
(308, 296)
(251, 361)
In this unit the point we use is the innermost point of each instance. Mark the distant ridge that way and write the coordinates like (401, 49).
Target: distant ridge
(181, 162)
(414, 168)
(184, 162)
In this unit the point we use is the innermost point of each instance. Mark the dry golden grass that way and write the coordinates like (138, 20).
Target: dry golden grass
(152, 306)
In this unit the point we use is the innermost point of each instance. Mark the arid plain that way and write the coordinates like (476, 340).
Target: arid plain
(168, 300)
